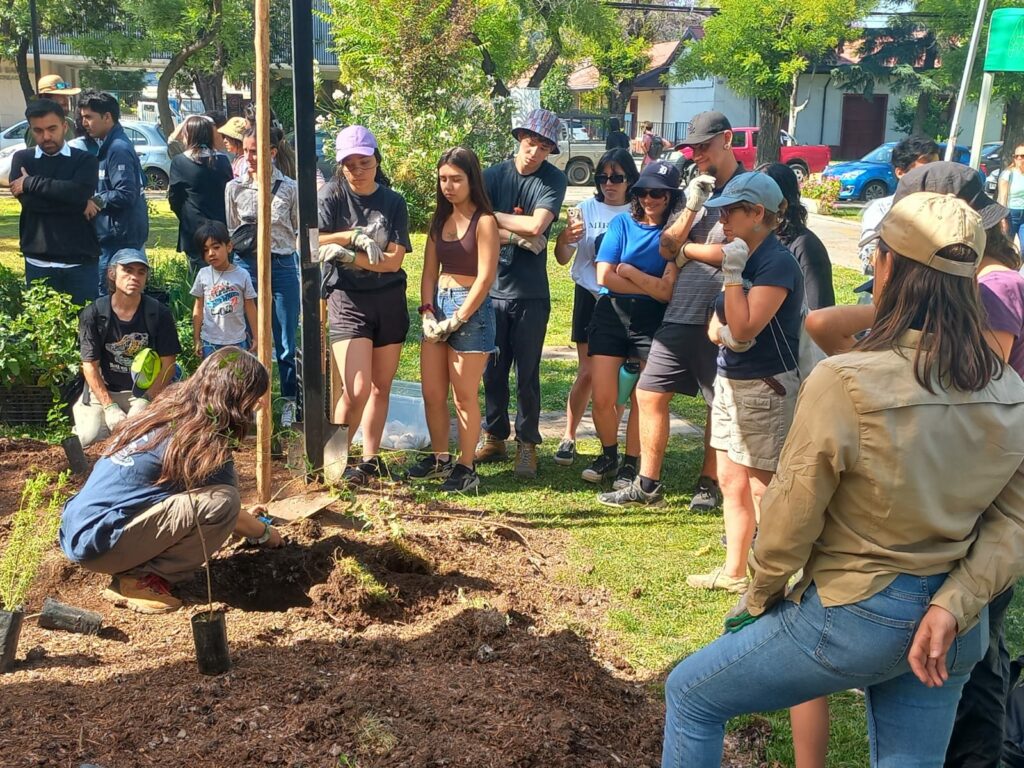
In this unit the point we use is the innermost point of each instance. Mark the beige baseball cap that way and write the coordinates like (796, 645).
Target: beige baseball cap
(921, 224)
(234, 128)
(55, 84)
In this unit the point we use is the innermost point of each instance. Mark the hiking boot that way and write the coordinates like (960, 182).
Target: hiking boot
(706, 496)
(632, 495)
(361, 474)
(526, 460)
(718, 579)
(430, 468)
(490, 449)
(462, 479)
(600, 468)
(143, 594)
(566, 453)
(287, 414)
(625, 476)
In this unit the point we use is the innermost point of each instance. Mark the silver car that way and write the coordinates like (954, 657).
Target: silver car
(148, 139)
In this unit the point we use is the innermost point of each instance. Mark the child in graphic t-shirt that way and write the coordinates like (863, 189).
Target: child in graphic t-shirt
(225, 296)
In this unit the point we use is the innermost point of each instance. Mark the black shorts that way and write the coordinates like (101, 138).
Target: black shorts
(623, 326)
(583, 302)
(378, 315)
(683, 360)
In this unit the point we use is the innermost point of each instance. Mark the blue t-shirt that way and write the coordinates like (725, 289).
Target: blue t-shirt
(120, 486)
(778, 345)
(627, 241)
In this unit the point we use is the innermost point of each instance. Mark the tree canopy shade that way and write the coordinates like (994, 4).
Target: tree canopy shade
(760, 48)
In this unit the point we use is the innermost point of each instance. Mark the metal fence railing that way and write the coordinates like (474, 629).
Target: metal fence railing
(674, 132)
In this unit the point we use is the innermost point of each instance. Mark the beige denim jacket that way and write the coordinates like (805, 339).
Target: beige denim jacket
(879, 477)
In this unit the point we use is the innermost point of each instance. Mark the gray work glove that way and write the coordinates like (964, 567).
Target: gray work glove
(137, 405)
(450, 325)
(363, 242)
(534, 244)
(113, 415)
(334, 252)
(431, 328)
(734, 260)
(726, 337)
(698, 191)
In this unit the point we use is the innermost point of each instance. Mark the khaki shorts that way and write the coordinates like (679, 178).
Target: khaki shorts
(750, 420)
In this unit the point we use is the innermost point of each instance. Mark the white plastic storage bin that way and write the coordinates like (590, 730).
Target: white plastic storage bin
(406, 427)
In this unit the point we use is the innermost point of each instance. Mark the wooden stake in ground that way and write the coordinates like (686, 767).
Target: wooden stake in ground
(264, 416)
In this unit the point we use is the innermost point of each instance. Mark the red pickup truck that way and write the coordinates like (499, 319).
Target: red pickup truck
(802, 158)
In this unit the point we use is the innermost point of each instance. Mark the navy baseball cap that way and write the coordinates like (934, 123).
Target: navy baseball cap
(753, 188)
(658, 175)
(129, 256)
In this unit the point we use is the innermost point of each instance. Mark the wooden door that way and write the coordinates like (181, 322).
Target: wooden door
(863, 125)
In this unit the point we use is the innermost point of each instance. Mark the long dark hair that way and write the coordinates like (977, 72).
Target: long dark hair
(793, 219)
(999, 248)
(947, 310)
(202, 418)
(675, 198)
(284, 161)
(466, 161)
(198, 132)
(625, 161)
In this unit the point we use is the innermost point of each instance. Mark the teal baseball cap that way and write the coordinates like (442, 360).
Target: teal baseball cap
(753, 188)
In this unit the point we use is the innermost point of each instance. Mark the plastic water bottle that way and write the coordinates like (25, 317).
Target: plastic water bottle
(629, 375)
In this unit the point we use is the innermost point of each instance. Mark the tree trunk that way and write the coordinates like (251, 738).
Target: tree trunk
(794, 108)
(546, 62)
(1013, 129)
(210, 87)
(28, 89)
(618, 98)
(163, 85)
(770, 122)
(924, 105)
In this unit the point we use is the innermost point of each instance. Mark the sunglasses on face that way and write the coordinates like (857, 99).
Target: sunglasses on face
(604, 178)
(1020, 155)
(725, 213)
(654, 194)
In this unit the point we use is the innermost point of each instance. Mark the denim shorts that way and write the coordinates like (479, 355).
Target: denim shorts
(477, 335)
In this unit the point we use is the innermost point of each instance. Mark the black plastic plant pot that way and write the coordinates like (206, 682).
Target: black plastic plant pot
(211, 638)
(10, 632)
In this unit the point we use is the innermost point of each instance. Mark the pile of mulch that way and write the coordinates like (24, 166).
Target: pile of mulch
(426, 638)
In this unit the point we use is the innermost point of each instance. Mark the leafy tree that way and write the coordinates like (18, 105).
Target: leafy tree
(554, 91)
(619, 62)
(760, 48)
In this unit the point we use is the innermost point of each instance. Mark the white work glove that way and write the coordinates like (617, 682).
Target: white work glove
(734, 260)
(363, 242)
(535, 244)
(698, 191)
(726, 337)
(137, 405)
(450, 325)
(334, 252)
(430, 328)
(113, 415)
(681, 257)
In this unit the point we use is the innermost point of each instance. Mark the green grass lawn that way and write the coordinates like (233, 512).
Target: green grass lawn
(641, 557)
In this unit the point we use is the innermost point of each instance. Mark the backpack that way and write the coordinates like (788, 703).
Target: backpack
(656, 148)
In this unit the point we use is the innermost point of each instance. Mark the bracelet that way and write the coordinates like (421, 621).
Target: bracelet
(425, 308)
(683, 250)
(261, 539)
(511, 235)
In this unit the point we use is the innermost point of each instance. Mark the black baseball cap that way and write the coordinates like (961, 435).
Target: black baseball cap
(948, 178)
(658, 175)
(705, 126)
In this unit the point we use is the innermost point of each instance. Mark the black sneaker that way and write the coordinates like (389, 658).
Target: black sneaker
(566, 453)
(460, 480)
(430, 468)
(361, 474)
(626, 476)
(633, 496)
(706, 496)
(600, 468)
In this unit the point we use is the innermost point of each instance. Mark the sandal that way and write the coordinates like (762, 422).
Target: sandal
(359, 475)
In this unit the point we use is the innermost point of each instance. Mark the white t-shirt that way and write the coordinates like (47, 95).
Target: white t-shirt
(224, 295)
(596, 216)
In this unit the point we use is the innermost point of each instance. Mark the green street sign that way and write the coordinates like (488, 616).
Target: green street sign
(1006, 41)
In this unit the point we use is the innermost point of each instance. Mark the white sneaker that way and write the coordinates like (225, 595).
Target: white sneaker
(288, 414)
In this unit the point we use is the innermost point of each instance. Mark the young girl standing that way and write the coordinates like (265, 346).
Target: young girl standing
(366, 311)
(459, 266)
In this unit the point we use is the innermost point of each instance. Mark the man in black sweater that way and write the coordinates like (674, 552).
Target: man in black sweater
(54, 182)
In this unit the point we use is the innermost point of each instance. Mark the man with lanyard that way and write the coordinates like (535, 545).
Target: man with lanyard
(118, 209)
(527, 193)
(682, 358)
(53, 182)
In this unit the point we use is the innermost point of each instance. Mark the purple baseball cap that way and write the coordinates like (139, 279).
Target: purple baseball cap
(354, 140)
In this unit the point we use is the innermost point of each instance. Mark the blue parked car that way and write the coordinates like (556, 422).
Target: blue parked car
(872, 176)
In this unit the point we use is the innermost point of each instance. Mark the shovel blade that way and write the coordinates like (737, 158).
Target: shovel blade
(335, 453)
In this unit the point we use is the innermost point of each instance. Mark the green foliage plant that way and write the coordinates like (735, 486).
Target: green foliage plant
(33, 532)
(38, 337)
(825, 191)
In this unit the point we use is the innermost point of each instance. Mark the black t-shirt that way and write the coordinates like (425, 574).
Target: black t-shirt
(616, 140)
(122, 341)
(521, 274)
(814, 262)
(383, 215)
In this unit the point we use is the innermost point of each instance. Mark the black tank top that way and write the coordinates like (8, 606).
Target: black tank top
(459, 257)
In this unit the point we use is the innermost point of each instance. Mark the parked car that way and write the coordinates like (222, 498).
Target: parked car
(149, 141)
(872, 176)
(804, 159)
(578, 152)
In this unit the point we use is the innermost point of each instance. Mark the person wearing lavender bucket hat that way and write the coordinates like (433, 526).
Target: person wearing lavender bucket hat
(364, 236)
(526, 192)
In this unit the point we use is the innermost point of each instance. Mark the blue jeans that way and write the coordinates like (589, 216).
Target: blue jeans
(797, 652)
(209, 349)
(1017, 226)
(78, 282)
(284, 285)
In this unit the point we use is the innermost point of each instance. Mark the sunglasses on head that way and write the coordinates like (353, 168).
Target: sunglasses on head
(604, 178)
(654, 194)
